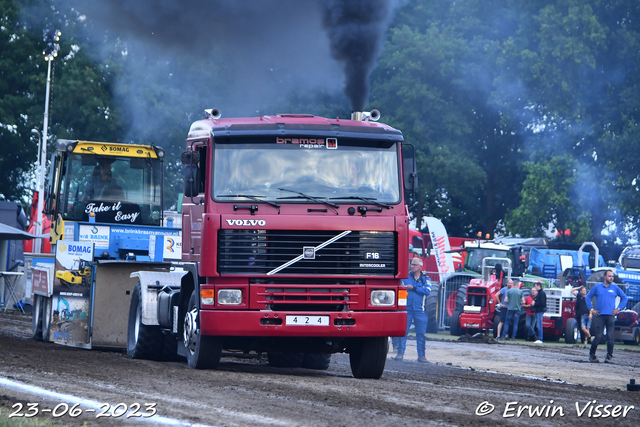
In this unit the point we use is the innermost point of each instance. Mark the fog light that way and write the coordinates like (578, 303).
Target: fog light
(229, 297)
(384, 298)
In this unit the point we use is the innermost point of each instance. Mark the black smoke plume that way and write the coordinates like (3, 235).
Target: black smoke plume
(356, 30)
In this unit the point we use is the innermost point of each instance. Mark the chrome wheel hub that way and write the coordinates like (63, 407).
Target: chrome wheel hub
(190, 335)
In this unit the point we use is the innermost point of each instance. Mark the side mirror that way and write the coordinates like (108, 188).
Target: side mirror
(191, 180)
(190, 158)
(410, 174)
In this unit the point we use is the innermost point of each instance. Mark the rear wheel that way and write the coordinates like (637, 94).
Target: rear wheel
(285, 360)
(455, 328)
(203, 351)
(571, 331)
(431, 309)
(318, 361)
(36, 318)
(368, 357)
(46, 318)
(636, 308)
(143, 341)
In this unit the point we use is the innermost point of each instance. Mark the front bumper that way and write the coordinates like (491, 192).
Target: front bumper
(475, 321)
(272, 323)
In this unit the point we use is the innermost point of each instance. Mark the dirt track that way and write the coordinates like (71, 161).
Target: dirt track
(246, 392)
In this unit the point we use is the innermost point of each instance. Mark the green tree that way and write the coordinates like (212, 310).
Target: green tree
(435, 80)
(81, 98)
(578, 79)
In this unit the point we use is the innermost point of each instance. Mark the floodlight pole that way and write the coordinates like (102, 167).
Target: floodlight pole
(50, 53)
(43, 162)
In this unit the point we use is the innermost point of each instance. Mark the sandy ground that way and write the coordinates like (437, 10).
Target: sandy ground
(467, 383)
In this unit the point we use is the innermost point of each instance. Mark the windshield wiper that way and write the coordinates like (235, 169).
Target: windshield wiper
(364, 199)
(256, 198)
(306, 196)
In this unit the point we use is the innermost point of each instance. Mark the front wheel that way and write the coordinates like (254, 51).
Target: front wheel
(454, 326)
(36, 318)
(143, 341)
(431, 309)
(571, 331)
(46, 315)
(368, 357)
(203, 352)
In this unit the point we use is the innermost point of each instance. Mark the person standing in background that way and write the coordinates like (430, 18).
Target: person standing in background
(605, 313)
(418, 287)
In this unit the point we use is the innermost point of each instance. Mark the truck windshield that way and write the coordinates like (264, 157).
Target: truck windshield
(119, 190)
(272, 171)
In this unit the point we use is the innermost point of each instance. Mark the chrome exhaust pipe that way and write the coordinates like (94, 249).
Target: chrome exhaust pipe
(213, 113)
(366, 116)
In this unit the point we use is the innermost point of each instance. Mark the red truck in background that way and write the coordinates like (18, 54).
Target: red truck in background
(294, 236)
(422, 247)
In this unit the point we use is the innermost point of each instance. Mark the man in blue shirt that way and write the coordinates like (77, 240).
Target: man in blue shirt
(604, 313)
(501, 298)
(418, 287)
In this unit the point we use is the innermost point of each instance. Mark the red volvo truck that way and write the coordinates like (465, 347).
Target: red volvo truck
(294, 242)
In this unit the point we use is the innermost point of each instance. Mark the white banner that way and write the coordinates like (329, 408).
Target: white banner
(440, 242)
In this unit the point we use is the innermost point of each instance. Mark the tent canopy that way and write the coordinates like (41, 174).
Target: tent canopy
(10, 233)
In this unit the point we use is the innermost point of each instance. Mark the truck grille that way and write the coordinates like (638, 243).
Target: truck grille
(360, 253)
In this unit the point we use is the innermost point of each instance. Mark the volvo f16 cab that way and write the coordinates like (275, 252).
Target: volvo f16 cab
(294, 237)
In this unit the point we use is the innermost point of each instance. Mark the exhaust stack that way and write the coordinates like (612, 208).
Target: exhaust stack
(366, 116)
(213, 113)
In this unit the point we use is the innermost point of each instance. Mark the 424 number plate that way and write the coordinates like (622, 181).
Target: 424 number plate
(307, 320)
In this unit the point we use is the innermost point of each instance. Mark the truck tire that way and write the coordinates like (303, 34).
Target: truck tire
(285, 360)
(46, 318)
(318, 361)
(143, 341)
(571, 331)
(636, 337)
(636, 308)
(461, 298)
(522, 319)
(431, 309)
(203, 352)
(454, 326)
(368, 356)
(496, 320)
(36, 318)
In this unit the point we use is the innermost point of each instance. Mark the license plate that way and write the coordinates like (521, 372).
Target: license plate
(307, 320)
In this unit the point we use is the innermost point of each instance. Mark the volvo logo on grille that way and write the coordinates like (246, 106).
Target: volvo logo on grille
(309, 252)
(247, 222)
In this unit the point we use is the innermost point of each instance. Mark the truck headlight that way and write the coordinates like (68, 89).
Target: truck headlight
(384, 298)
(229, 297)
